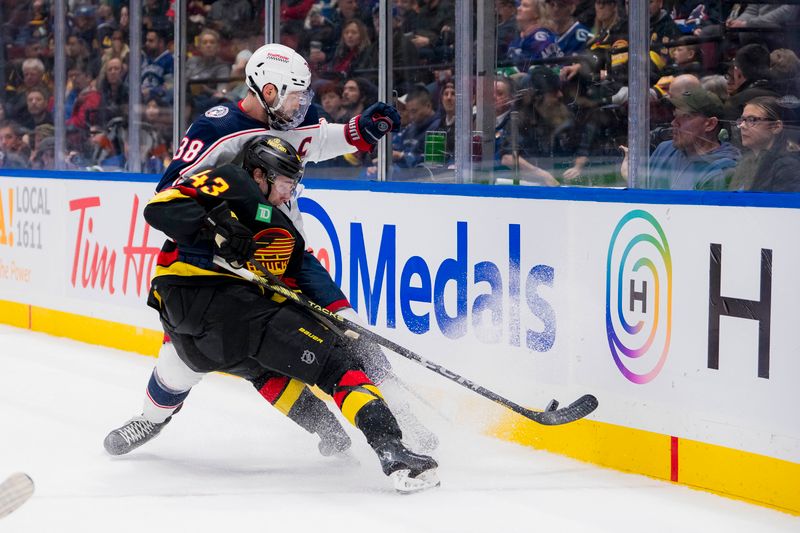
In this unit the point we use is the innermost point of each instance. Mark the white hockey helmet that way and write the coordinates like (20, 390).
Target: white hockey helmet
(284, 68)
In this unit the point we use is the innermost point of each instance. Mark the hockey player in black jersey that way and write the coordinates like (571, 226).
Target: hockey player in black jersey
(219, 322)
(278, 79)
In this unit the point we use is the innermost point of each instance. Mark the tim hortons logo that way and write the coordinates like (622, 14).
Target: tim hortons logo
(97, 262)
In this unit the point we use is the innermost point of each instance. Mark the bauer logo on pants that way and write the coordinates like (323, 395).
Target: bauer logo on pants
(639, 296)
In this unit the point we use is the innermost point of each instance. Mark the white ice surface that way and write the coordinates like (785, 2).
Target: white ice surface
(229, 462)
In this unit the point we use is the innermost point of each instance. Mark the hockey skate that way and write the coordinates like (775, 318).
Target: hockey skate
(410, 472)
(132, 434)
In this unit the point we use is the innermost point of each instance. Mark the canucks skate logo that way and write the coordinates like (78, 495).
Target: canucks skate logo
(308, 357)
(275, 246)
(639, 296)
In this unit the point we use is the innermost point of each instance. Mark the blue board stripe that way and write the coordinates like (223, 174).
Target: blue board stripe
(576, 194)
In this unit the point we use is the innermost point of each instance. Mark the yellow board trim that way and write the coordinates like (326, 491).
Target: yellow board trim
(82, 328)
(290, 395)
(733, 473)
(15, 314)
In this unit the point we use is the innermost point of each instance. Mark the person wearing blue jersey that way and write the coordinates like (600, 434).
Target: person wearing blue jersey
(277, 103)
(573, 36)
(535, 39)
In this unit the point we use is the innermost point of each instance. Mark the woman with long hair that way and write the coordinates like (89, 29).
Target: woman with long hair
(772, 159)
(352, 52)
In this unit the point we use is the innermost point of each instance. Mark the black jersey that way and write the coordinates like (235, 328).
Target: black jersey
(180, 212)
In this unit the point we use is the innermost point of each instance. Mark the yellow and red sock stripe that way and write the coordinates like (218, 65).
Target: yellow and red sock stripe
(282, 392)
(353, 392)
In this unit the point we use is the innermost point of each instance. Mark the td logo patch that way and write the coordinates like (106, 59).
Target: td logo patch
(264, 213)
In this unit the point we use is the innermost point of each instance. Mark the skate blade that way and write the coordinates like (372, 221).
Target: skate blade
(405, 484)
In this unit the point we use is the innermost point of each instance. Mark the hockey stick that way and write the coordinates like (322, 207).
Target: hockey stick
(14, 491)
(551, 416)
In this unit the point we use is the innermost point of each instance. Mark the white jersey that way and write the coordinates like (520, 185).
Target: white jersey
(220, 135)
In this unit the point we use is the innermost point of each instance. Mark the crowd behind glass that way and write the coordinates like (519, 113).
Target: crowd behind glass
(723, 101)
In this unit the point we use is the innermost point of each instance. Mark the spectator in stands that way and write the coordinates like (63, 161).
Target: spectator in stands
(404, 55)
(504, 94)
(42, 132)
(106, 25)
(159, 121)
(41, 135)
(686, 58)
(433, 34)
(330, 96)
(345, 10)
(157, 67)
(44, 156)
(16, 151)
(36, 110)
(535, 40)
(206, 66)
(108, 144)
(545, 134)
(662, 28)
(785, 70)
(408, 14)
(408, 146)
(118, 49)
(357, 94)
(124, 22)
(507, 29)
(694, 159)
(113, 88)
(716, 84)
(319, 38)
(447, 119)
(78, 147)
(572, 35)
(768, 164)
(230, 16)
(352, 53)
(84, 24)
(237, 88)
(296, 10)
(154, 14)
(33, 74)
(85, 96)
(76, 49)
(606, 19)
(748, 77)
(766, 16)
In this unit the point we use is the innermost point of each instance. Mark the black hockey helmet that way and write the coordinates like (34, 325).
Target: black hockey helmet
(275, 157)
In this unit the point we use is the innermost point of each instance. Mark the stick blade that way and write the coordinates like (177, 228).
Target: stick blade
(15, 491)
(574, 411)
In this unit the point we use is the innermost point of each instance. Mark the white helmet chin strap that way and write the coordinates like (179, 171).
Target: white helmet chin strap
(259, 93)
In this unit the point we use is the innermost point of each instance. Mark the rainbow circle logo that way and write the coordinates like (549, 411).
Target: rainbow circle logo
(639, 296)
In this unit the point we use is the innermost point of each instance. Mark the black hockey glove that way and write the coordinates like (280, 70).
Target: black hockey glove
(233, 240)
(365, 130)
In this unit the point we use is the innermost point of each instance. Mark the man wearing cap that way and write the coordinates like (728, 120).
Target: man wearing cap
(694, 159)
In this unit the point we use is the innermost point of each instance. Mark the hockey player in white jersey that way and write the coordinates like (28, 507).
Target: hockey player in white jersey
(279, 97)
